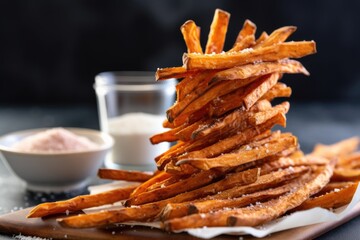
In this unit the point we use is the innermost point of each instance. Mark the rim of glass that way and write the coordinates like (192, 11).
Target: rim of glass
(129, 78)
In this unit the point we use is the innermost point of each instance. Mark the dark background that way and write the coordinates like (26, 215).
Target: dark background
(50, 51)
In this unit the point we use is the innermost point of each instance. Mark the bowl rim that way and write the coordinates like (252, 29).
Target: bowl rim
(107, 138)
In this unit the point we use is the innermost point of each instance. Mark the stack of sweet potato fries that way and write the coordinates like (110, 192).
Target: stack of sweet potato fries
(227, 167)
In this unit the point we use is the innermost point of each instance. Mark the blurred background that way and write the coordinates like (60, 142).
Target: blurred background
(50, 52)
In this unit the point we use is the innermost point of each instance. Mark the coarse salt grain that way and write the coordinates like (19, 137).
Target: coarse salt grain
(54, 140)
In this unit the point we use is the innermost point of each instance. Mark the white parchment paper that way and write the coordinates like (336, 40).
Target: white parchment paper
(297, 219)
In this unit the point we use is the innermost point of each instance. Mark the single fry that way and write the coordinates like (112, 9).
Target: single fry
(260, 69)
(257, 89)
(334, 199)
(172, 72)
(292, 161)
(246, 42)
(126, 175)
(346, 174)
(262, 116)
(81, 202)
(279, 90)
(217, 32)
(262, 38)
(229, 60)
(248, 29)
(332, 186)
(190, 33)
(278, 36)
(338, 149)
(168, 136)
(351, 160)
(104, 218)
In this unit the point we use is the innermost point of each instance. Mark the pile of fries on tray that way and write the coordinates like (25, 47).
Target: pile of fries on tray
(227, 167)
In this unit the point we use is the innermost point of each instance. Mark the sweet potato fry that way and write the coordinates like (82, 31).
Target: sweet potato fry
(257, 89)
(195, 181)
(246, 97)
(173, 210)
(351, 160)
(334, 199)
(126, 175)
(263, 37)
(189, 92)
(332, 186)
(81, 202)
(278, 36)
(166, 158)
(229, 60)
(176, 210)
(272, 209)
(290, 161)
(186, 133)
(228, 144)
(338, 149)
(242, 156)
(260, 69)
(254, 215)
(190, 33)
(246, 42)
(243, 178)
(232, 121)
(248, 29)
(217, 34)
(168, 136)
(172, 72)
(262, 116)
(166, 182)
(346, 174)
(98, 219)
(238, 120)
(150, 210)
(279, 90)
(270, 180)
(172, 151)
(216, 90)
(142, 187)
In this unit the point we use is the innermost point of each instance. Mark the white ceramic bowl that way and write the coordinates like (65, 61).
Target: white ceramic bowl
(55, 172)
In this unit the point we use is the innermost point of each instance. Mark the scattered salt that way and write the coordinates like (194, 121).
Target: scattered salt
(22, 237)
(54, 140)
(247, 148)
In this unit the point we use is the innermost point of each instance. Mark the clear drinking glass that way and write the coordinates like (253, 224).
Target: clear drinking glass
(132, 107)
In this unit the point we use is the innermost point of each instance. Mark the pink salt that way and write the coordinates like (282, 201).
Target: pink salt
(54, 141)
